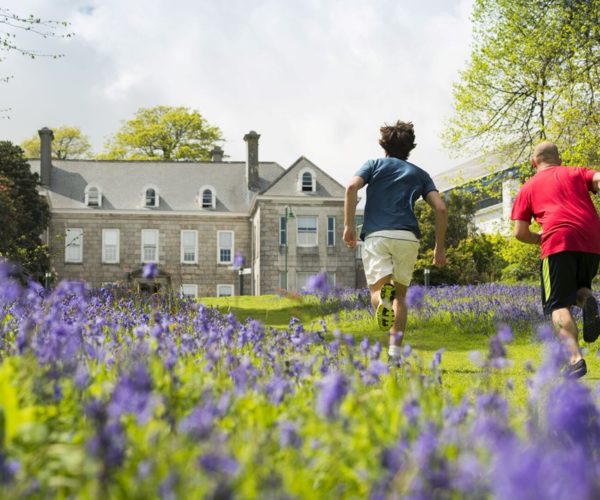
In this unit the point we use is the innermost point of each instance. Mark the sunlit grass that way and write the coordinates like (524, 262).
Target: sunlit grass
(461, 377)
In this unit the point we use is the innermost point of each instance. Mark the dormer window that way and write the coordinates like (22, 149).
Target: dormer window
(150, 197)
(207, 197)
(93, 196)
(307, 181)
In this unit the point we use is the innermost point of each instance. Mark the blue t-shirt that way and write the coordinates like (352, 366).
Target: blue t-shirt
(393, 187)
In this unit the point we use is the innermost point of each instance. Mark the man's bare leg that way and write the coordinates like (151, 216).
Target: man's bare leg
(567, 332)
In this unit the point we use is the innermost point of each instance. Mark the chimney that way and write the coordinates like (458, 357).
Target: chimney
(217, 154)
(252, 162)
(46, 137)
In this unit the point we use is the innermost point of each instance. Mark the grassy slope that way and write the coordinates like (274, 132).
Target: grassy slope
(459, 374)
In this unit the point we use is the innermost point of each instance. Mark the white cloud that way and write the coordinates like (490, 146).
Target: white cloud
(313, 78)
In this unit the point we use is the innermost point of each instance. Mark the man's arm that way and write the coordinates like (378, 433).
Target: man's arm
(596, 182)
(434, 200)
(350, 201)
(524, 234)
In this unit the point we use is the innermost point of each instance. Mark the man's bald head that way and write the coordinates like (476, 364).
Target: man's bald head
(546, 153)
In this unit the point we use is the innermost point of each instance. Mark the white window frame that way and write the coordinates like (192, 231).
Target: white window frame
(74, 239)
(300, 236)
(331, 231)
(156, 196)
(105, 233)
(331, 278)
(313, 177)
(219, 248)
(222, 286)
(89, 199)
(213, 194)
(143, 255)
(189, 290)
(183, 247)
(283, 231)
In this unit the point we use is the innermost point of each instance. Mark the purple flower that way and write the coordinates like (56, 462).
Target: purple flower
(334, 388)
(276, 389)
(8, 469)
(150, 270)
(238, 261)
(132, 394)
(200, 422)
(412, 410)
(216, 463)
(415, 296)
(572, 417)
(545, 333)
(318, 285)
(288, 435)
(437, 358)
(364, 346)
(505, 334)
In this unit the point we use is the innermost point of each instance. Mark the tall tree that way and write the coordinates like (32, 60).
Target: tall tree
(25, 213)
(13, 25)
(164, 133)
(534, 73)
(69, 143)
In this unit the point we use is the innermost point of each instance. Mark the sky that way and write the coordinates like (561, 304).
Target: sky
(315, 78)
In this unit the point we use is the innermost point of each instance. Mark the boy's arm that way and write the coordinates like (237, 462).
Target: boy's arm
(350, 201)
(524, 234)
(435, 201)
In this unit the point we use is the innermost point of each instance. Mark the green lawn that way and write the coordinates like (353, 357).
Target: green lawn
(460, 375)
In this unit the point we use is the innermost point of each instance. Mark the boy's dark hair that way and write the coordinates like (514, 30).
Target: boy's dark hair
(398, 140)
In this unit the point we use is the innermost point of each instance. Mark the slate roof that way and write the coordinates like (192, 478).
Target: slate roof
(122, 183)
(471, 170)
(287, 183)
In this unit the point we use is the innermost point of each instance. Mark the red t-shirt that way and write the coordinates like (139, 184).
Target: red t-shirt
(558, 198)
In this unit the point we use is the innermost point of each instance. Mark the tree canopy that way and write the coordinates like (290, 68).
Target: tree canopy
(68, 143)
(533, 74)
(24, 213)
(164, 133)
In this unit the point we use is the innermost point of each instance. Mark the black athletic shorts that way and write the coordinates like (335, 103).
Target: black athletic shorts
(562, 274)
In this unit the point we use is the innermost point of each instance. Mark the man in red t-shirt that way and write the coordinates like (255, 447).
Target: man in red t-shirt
(558, 199)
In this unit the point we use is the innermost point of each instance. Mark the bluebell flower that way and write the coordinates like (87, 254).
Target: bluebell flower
(133, 394)
(288, 434)
(200, 422)
(8, 469)
(318, 285)
(216, 463)
(505, 334)
(333, 389)
(572, 417)
(238, 261)
(412, 410)
(415, 296)
(364, 346)
(276, 389)
(150, 270)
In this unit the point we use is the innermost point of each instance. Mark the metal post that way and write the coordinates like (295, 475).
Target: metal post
(241, 273)
(426, 273)
(288, 215)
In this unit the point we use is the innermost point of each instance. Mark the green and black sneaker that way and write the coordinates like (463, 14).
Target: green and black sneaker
(384, 314)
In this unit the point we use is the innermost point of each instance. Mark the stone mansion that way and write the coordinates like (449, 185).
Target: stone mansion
(110, 218)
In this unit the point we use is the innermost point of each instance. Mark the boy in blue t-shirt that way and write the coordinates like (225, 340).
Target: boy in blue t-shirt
(390, 230)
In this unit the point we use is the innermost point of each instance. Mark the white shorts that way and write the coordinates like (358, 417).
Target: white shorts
(384, 255)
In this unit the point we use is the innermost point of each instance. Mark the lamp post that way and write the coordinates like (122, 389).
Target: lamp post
(288, 215)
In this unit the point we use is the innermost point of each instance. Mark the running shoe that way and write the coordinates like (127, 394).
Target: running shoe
(384, 314)
(576, 370)
(591, 319)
